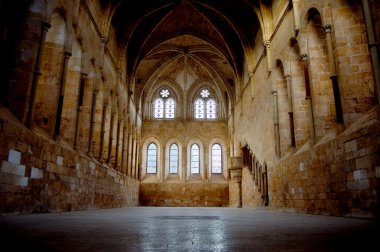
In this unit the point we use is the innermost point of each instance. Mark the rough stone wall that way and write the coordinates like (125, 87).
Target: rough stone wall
(337, 173)
(184, 189)
(40, 175)
(184, 194)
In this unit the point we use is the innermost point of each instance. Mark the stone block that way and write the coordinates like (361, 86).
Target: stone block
(360, 174)
(37, 173)
(14, 156)
(12, 168)
(377, 171)
(59, 160)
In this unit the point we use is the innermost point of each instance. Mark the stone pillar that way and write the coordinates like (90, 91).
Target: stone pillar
(110, 142)
(117, 144)
(267, 43)
(129, 161)
(123, 150)
(235, 190)
(79, 109)
(92, 120)
(305, 61)
(290, 113)
(296, 16)
(250, 75)
(31, 99)
(333, 75)
(276, 123)
(373, 45)
(102, 131)
(62, 85)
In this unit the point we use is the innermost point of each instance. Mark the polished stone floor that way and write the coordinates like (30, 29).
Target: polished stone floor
(185, 229)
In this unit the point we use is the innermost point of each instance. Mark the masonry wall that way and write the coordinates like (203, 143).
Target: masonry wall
(38, 175)
(336, 172)
(184, 189)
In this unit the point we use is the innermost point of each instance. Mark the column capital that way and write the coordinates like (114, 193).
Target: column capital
(250, 74)
(67, 54)
(267, 43)
(304, 57)
(327, 28)
(104, 40)
(45, 25)
(83, 75)
(274, 92)
(287, 77)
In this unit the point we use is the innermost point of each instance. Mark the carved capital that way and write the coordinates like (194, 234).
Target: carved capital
(304, 57)
(67, 54)
(130, 93)
(45, 26)
(104, 40)
(287, 77)
(274, 93)
(250, 74)
(83, 75)
(327, 28)
(266, 43)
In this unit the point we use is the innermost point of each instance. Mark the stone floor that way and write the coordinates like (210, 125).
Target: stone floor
(185, 229)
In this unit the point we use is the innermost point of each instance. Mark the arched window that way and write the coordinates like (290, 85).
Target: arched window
(194, 159)
(151, 166)
(173, 158)
(164, 106)
(199, 109)
(211, 109)
(216, 158)
(159, 108)
(204, 105)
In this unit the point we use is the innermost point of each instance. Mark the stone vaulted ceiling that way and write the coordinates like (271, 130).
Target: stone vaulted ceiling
(205, 38)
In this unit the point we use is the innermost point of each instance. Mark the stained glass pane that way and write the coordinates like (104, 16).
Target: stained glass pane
(170, 108)
(151, 166)
(216, 159)
(194, 159)
(199, 109)
(159, 108)
(173, 159)
(211, 109)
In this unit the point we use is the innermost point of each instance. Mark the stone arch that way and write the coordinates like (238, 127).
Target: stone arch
(166, 160)
(298, 89)
(321, 89)
(72, 92)
(224, 156)
(51, 74)
(160, 171)
(283, 108)
(202, 163)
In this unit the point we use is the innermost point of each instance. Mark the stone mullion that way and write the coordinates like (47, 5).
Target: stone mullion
(62, 87)
(31, 99)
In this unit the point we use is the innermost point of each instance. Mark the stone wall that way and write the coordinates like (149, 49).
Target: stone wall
(184, 194)
(38, 174)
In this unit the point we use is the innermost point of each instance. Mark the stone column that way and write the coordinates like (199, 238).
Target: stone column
(296, 16)
(110, 141)
(117, 144)
(267, 43)
(276, 123)
(31, 99)
(333, 75)
(129, 165)
(290, 113)
(102, 131)
(235, 190)
(250, 75)
(373, 45)
(62, 86)
(305, 61)
(92, 120)
(79, 109)
(123, 150)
